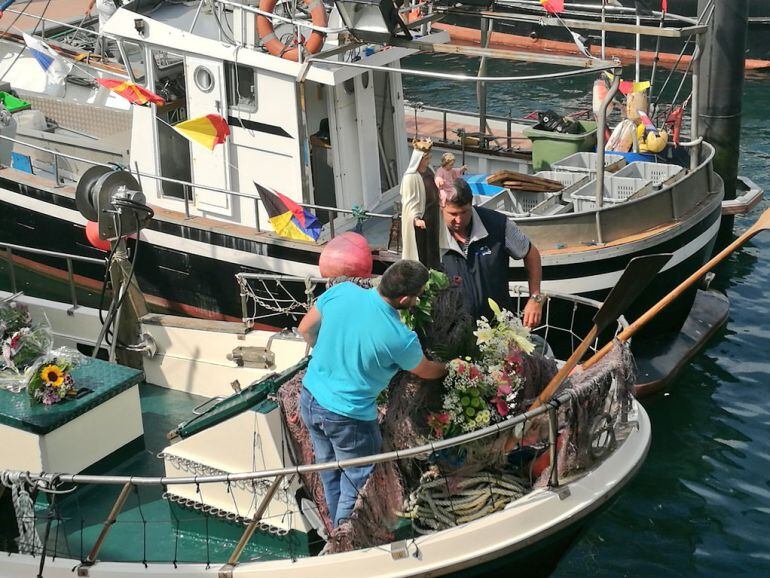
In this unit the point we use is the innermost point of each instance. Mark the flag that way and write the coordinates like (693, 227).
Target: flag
(647, 122)
(553, 6)
(209, 130)
(627, 86)
(49, 60)
(287, 217)
(131, 92)
(580, 42)
(664, 5)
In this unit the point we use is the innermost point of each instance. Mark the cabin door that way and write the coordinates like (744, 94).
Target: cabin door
(206, 95)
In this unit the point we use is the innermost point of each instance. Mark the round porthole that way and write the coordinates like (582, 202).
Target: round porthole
(204, 80)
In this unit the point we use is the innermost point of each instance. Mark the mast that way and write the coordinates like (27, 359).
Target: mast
(720, 85)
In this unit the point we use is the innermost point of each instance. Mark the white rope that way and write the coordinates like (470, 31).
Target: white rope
(29, 541)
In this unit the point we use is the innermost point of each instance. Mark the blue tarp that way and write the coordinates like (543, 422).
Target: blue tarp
(479, 186)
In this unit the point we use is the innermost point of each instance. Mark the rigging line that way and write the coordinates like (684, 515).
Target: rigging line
(19, 14)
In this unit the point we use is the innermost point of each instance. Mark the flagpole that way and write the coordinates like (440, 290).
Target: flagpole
(604, 32)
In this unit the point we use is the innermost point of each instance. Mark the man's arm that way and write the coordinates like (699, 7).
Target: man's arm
(533, 311)
(310, 325)
(430, 370)
(5, 5)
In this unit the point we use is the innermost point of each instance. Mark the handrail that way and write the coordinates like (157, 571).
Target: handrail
(507, 425)
(44, 19)
(10, 248)
(57, 154)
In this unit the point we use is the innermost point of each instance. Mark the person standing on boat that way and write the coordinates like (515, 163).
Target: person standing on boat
(476, 246)
(420, 215)
(105, 9)
(353, 361)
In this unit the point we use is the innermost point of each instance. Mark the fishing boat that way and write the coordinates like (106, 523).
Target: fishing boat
(233, 495)
(329, 133)
(524, 25)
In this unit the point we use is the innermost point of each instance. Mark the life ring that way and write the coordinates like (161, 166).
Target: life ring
(277, 48)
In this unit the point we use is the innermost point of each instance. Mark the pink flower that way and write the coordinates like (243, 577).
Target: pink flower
(475, 373)
(502, 407)
(504, 390)
(438, 421)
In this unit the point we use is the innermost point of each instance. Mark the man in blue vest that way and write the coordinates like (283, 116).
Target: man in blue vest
(359, 343)
(476, 246)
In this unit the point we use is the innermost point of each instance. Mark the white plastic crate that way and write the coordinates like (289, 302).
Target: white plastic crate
(587, 163)
(616, 190)
(659, 174)
(517, 203)
(572, 181)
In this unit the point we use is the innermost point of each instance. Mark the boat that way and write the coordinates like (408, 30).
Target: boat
(347, 102)
(522, 25)
(131, 502)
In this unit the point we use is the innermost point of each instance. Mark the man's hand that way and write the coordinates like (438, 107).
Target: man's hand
(430, 370)
(1, 14)
(533, 313)
(419, 223)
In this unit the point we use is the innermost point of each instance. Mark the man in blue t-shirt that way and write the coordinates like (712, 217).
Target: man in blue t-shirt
(359, 343)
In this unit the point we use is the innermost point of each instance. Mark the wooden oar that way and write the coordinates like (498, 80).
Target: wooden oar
(762, 224)
(638, 274)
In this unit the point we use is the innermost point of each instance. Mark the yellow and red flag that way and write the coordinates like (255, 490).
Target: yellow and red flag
(553, 6)
(131, 92)
(209, 130)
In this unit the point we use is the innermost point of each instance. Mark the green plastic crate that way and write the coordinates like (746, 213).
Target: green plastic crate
(14, 104)
(550, 147)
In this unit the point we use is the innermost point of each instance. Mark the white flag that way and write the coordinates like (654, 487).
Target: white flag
(49, 60)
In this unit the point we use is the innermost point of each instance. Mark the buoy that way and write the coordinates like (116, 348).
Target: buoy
(92, 234)
(276, 47)
(348, 255)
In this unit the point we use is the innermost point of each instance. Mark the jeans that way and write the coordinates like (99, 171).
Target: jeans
(338, 437)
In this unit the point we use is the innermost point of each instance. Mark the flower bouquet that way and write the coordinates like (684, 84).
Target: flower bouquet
(481, 393)
(21, 344)
(51, 378)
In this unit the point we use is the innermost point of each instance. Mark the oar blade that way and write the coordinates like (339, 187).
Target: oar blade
(634, 280)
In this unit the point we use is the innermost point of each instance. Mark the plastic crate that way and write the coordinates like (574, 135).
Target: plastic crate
(517, 203)
(572, 181)
(587, 162)
(659, 174)
(616, 190)
(552, 206)
(12, 103)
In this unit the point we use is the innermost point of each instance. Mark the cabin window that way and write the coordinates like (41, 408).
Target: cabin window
(204, 80)
(133, 53)
(241, 87)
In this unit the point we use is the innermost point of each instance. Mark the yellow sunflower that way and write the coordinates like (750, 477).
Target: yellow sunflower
(52, 375)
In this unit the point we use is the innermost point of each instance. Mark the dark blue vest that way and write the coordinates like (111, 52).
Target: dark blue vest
(483, 273)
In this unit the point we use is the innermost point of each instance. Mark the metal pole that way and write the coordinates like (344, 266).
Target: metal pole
(481, 87)
(256, 212)
(56, 171)
(73, 293)
(12, 270)
(108, 523)
(604, 32)
(600, 128)
(638, 76)
(553, 449)
(261, 509)
(332, 214)
(186, 202)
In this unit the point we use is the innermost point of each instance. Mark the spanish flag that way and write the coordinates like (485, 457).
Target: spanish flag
(553, 6)
(209, 130)
(131, 92)
(287, 217)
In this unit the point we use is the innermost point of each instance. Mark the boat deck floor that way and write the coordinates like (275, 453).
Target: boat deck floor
(149, 528)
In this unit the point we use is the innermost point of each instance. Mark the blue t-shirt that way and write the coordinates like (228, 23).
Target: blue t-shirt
(361, 345)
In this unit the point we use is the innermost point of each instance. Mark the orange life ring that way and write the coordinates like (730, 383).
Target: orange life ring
(276, 47)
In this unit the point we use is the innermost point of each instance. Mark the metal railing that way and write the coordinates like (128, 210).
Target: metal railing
(333, 212)
(9, 251)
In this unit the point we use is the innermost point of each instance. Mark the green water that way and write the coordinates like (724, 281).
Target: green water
(701, 503)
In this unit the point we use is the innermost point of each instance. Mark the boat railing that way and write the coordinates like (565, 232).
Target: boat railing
(11, 250)
(188, 186)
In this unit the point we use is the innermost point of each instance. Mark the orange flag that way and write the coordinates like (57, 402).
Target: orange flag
(131, 92)
(209, 130)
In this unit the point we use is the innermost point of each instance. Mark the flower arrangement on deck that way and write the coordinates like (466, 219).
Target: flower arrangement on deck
(21, 341)
(51, 380)
(481, 393)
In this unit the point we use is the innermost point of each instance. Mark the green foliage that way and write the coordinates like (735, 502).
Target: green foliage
(420, 316)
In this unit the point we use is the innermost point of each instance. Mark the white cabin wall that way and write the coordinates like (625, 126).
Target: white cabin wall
(143, 155)
(399, 121)
(368, 147)
(256, 154)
